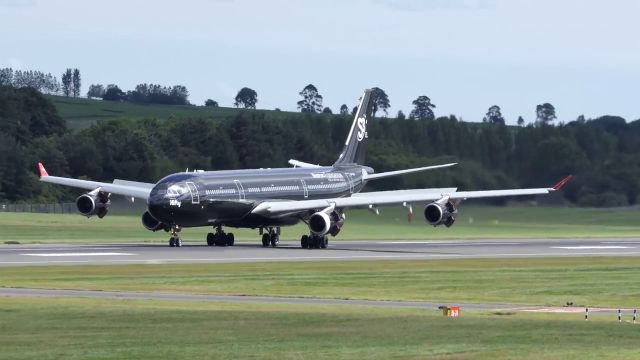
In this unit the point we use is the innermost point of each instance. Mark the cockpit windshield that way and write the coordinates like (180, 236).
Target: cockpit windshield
(176, 190)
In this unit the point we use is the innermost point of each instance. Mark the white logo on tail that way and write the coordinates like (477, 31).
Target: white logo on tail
(362, 127)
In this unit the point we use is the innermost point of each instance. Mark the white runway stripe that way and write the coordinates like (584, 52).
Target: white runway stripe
(593, 247)
(79, 254)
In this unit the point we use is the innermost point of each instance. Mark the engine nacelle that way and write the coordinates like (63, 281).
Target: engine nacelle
(441, 212)
(321, 223)
(92, 203)
(151, 223)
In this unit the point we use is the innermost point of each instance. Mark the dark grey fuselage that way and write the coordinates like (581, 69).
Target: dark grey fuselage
(227, 197)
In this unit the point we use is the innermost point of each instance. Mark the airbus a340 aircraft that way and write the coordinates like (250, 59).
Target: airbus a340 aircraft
(267, 199)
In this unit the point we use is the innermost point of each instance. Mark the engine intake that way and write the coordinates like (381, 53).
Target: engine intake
(441, 212)
(151, 223)
(321, 223)
(92, 203)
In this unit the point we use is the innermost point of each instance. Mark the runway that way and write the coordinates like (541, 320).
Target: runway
(26, 255)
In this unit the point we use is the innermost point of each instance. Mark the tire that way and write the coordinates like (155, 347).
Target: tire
(324, 241)
(316, 242)
(304, 241)
(265, 240)
(172, 242)
(230, 239)
(210, 238)
(274, 239)
(178, 242)
(221, 239)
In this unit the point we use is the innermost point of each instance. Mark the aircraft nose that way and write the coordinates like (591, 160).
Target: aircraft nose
(158, 206)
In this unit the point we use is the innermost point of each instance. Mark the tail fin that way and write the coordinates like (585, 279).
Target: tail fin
(356, 145)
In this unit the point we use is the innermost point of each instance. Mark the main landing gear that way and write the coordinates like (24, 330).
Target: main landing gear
(271, 237)
(314, 242)
(220, 238)
(174, 240)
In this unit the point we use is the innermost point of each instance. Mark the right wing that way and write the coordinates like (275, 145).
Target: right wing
(371, 199)
(119, 187)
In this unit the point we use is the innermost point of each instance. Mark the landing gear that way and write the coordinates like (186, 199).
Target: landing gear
(220, 238)
(314, 242)
(174, 240)
(272, 237)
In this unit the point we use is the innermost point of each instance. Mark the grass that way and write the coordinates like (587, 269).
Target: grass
(601, 281)
(84, 112)
(473, 222)
(35, 328)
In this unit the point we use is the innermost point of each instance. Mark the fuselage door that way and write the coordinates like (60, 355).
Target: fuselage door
(304, 188)
(195, 197)
(241, 195)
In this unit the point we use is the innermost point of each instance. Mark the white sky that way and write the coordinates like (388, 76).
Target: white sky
(466, 55)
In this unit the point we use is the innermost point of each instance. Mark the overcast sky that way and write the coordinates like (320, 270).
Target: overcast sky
(466, 55)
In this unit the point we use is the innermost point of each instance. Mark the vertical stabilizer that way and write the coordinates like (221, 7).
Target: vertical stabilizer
(355, 147)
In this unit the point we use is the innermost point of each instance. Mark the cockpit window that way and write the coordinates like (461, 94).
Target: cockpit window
(176, 190)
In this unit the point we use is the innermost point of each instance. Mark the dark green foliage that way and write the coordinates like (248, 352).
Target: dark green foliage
(75, 83)
(246, 98)
(422, 109)
(380, 100)
(113, 93)
(545, 113)
(211, 103)
(494, 116)
(67, 82)
(344, 109)
(311, 100)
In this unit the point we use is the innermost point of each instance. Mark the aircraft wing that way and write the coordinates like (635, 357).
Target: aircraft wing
(118, 187)
(381, 198)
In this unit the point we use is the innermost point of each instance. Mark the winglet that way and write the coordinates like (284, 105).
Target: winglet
(562, 182)
(43, 171)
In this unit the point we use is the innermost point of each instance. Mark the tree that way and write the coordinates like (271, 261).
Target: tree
(401, 115)
(6, 76)
(327, 110)
(95, 91)
(67, 78)
(422, 109)
(344, 109)
(380, 100)
(520, 121)
(211, 103)
(311, 100)
(75, 87)
(545, 113)
(354, 111)
(113, 93)
(247, 98)
(494, 116)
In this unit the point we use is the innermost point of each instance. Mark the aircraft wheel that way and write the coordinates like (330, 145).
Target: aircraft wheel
(304, 241)
(178, 242)
(230, 239)
(265, 240)
(221, 239)
(324, 241)
(210, 239)
(172, 241)
(274, 239)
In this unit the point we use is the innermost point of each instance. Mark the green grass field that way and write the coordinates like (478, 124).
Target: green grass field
(35, 328)
(473, 222)
(601, 281)
(84, 112)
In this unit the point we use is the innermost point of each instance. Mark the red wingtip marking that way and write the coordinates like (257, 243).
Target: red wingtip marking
(43, 171)
(562, 182)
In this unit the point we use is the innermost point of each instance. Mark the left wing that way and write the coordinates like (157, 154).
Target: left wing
(118, 187)
(276, 208)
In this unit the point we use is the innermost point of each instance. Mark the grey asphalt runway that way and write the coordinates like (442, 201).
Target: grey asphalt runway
(22, 255)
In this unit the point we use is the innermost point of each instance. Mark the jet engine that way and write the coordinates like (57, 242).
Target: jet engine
(150, 223)
(92, 203)
(322, 223)
(441, 212)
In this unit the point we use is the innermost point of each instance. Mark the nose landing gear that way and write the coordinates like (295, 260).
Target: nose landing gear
(174, 240)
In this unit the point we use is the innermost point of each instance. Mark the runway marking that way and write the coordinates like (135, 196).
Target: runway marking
(60, 249)
(586, 247)
(80, 254)
(447, 243)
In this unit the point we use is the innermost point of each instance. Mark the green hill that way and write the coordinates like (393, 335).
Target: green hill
(84, 112)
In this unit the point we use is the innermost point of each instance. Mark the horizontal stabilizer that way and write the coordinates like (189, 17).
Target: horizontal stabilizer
(301, 164)
(406, 171)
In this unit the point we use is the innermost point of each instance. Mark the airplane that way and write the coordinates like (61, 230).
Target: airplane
(267, 199)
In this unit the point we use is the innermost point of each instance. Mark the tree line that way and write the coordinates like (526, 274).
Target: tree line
(601, 153)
